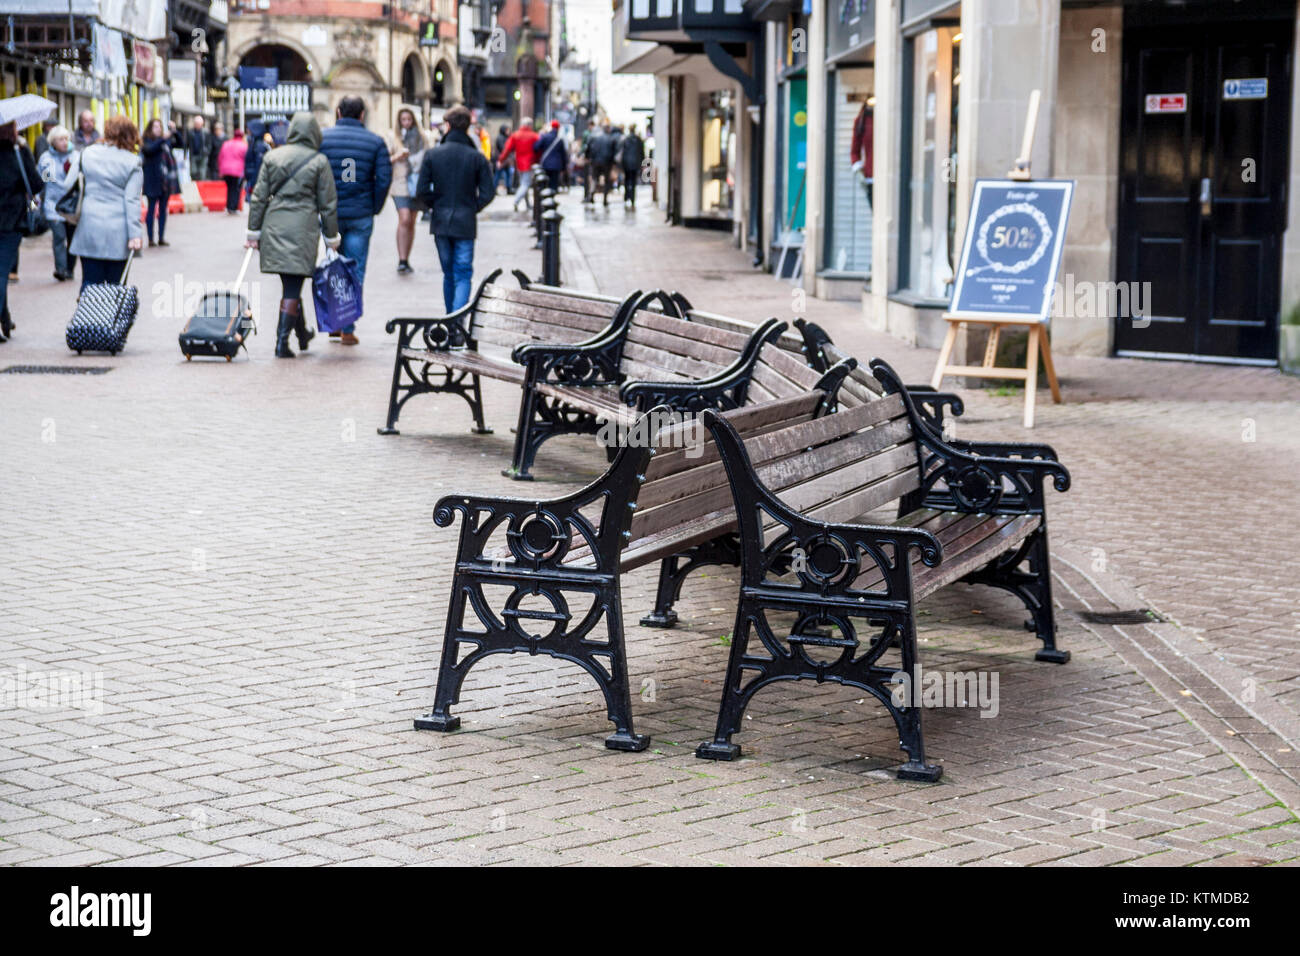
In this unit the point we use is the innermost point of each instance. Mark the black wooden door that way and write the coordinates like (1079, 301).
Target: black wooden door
(1203, 169)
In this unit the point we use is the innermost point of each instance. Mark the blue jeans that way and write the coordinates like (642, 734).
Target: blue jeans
(356, 246)
(61, 235)
(457, 259)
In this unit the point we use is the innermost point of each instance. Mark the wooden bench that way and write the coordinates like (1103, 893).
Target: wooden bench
(453, 353)
(648, 359)
(560, 559)
(829, 598)
(812, 551)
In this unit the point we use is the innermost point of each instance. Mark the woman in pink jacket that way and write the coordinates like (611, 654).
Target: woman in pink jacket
(230, 164)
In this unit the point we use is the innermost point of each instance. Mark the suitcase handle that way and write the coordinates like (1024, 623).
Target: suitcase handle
(126, 269)
(239, 279)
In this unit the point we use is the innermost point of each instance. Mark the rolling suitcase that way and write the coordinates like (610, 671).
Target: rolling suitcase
(104, 315)
(221, 323)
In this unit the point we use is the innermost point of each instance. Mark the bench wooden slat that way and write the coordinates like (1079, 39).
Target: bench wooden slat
(467, 360)
(499, 311)
(672, 326)
(686, 342)
(746, 420)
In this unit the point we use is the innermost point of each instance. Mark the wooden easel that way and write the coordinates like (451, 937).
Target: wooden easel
(1038, 340)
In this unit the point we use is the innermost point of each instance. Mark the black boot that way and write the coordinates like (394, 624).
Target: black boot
(304, 334)
(290, 310)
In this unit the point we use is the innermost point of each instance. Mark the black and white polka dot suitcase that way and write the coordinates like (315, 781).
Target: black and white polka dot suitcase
(104, 315)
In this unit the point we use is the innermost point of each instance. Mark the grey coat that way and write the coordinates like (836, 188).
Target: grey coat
(288, 224)
(110, 207)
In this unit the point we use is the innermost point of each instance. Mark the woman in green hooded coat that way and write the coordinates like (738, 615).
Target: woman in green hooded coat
(293, 204)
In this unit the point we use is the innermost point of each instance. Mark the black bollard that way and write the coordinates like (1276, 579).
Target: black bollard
(540, 182)
(551, 220)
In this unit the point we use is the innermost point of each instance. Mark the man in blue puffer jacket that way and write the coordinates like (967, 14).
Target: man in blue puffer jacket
(362, 175)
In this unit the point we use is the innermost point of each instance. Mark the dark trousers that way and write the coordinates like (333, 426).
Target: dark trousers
(158, 205)
(8, 262)
(291, 286)
(232, 192)
(630, 177)
(101, 270)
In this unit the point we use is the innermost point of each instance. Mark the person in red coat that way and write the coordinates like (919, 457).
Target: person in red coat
(860, 149)
(522, 143)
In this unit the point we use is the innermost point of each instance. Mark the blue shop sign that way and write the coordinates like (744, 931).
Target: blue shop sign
(1012, 252)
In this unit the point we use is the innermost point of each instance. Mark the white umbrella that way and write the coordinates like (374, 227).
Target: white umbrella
(25, 110)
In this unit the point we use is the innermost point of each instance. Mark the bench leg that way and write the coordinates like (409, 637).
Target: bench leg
(401, 391)
(856, 667)
(1033, 585)
(476, 407)
(541, 418)
(508, 630)
(674, 569)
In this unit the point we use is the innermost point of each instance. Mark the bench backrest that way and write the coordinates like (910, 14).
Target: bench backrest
(664, 348)
(504, 317)
(832, 468)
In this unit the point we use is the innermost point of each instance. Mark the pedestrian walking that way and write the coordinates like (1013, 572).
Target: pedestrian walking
(86, 134)
(631, 155)
(214, 150)
(230, 164)
(198, 144)
(259, 144)
(406, 148)
(43, 140)
(110, 202)
(505, 171)
(522, 144)
(553, 153)
(20, 182)
(456, 184)
(158, 167)
(600, 160)
(362, 175)
(293, 204)
(54, 165)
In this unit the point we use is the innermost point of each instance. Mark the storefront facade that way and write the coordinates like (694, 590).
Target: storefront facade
(709, 63)
(1174, 120)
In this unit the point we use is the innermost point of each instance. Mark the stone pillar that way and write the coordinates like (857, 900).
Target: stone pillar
(771, 91)
(815, 190)
(887, 175)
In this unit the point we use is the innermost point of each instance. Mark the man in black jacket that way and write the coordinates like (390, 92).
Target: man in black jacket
(455, 184)
(631, 154)
(601, 151)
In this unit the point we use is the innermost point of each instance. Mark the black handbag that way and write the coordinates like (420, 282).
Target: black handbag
(33, 221)
(171, 177)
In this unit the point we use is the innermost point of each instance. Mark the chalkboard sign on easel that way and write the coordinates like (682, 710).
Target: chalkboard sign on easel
(1015, 235)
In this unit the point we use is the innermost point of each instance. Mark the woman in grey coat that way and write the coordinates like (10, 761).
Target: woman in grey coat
(110, 202)
(293, 203)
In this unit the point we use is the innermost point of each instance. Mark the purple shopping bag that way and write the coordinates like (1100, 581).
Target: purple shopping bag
(336, 290)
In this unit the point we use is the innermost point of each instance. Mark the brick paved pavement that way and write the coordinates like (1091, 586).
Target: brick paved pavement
(252, 573)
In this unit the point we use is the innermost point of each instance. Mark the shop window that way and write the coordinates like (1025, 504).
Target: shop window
(930, 159)
(718, 154)
(850, 175)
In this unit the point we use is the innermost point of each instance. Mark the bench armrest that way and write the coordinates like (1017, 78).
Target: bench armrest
(590, 364)
(442, 332)
(539, 534)
(438, 334)
(974, 482)
(828, 558)
(725, 389)
(1007, 449)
